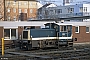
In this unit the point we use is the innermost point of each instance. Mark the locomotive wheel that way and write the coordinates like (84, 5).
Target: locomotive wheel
(28, 47)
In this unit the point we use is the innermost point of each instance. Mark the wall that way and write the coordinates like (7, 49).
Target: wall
(29, 5)
(1, 10)
(82, 36)
(77, 8)
(88, 7)
(88, 10)
(20, 29)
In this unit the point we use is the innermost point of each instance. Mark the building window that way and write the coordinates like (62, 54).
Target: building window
(8, 18)
(81, 9)
(25, 10)
(8, 3)
(87, 29)
(46, 12)
(6, 33)
(10, 34)
(85, 9)
(77, 29)
(51, 12)
(13, 33)
(14, 10)
(14, 18)
(68, 10)
(8, 10)
(71, 10)
(84, 19)
(59, 11)
(67, 1)
(31, 11)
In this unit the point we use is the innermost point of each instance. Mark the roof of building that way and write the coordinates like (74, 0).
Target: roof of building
(21, 0)
(44, 6)
(47, 4)
(13, 24)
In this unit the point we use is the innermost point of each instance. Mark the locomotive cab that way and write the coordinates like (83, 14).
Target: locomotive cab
(65, 35)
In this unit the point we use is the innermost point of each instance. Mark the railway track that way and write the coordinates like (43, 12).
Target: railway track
(80, 54)
(74, 53)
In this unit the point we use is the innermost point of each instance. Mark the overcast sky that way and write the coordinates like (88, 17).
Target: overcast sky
(60, 2)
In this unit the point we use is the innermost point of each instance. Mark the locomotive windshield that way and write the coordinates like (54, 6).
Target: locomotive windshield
(25, 34)
(63, 28)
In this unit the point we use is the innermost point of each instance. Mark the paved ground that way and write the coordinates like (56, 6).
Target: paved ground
(78, 52)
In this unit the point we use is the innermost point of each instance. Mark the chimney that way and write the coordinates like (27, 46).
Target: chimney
(66, 2)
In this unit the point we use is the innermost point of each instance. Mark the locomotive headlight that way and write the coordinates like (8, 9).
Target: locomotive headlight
(31, 36)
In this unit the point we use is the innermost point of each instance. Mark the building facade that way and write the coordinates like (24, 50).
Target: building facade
(66, 12)
(14, 10)
(66, 2)
(43, 12)
(2, 9)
